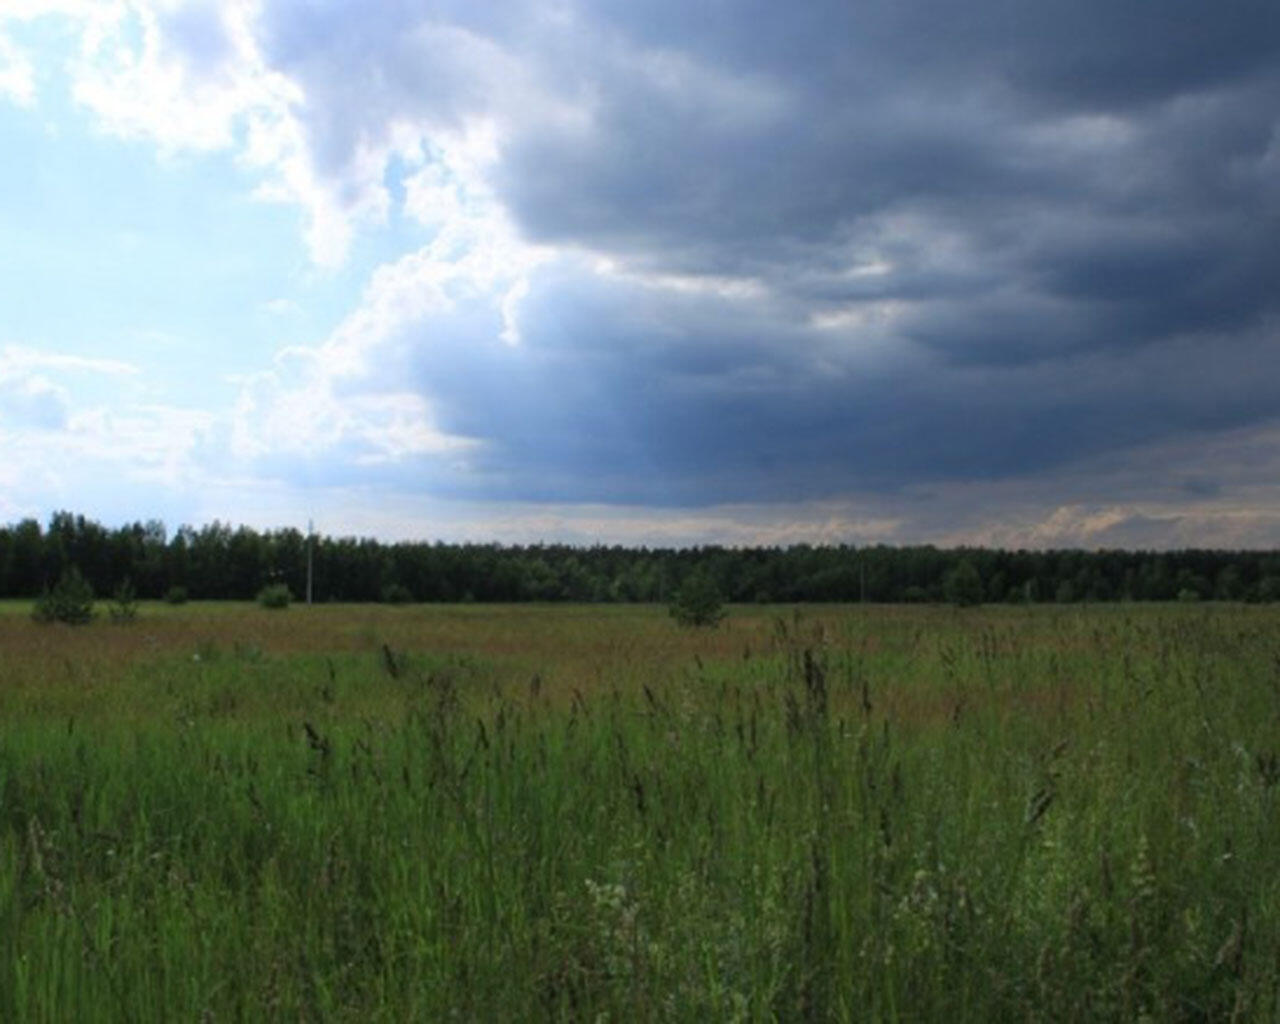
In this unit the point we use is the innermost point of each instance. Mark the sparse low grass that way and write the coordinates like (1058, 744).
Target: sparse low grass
(583, 813)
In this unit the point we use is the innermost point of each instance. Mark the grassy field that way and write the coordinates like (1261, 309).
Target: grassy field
(585, 813)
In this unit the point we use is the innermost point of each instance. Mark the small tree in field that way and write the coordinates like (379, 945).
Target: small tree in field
(70, 601)
(963, 585)
(698, 602)
(124, 603)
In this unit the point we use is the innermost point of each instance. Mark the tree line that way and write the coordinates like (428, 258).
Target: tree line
(218, 561)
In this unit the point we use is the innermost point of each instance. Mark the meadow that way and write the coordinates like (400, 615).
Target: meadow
(572, 812)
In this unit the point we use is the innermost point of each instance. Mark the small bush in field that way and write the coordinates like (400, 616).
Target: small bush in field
(70, 600)
(176, 595)
(124, 602)
(274, 595)
(396, 593)
(698, 602)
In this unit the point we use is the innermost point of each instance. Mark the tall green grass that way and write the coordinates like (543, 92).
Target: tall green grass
(1057, 816)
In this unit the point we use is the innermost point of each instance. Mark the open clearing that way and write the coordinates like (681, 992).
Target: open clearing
(585, 812)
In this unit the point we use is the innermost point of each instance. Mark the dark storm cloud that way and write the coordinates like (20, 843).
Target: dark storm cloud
(622, 395)
(1198, 487)
(1077, 52)
(975, 240)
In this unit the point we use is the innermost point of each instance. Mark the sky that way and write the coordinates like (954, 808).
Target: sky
(646, 272)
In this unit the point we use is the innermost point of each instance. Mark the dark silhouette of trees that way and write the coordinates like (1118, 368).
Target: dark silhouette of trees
(219, 561)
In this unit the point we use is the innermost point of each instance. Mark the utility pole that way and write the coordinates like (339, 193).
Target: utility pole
(311, 532)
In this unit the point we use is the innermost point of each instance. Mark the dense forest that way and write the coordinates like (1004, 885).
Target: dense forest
(218, 561)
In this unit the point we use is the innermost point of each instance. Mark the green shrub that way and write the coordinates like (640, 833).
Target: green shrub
(963, 585)
(124, 602)
(697, 602)
(274, 595)
(176, 595)
(70, 601)
(396, 593)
